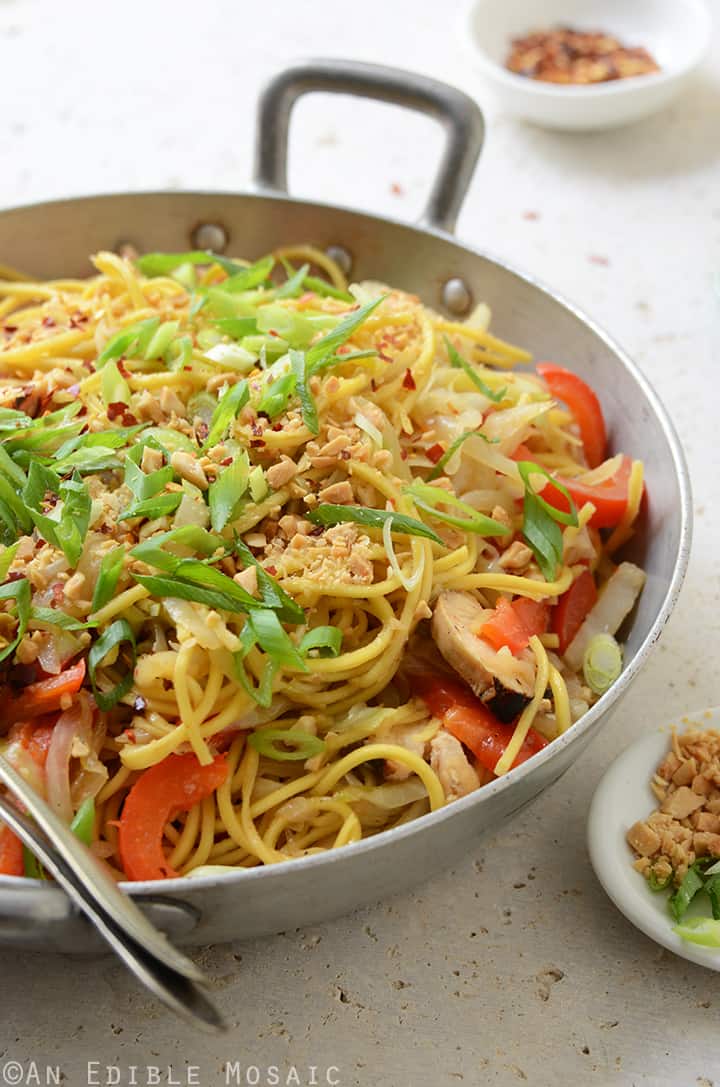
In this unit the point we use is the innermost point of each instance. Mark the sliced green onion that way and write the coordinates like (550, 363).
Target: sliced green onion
(361, 515)
(160, 505)
(163, 264)
(656, 884)
(691, 884)
(233, 401)
(13, 471)
(258, 484)
(6, 558)
(329, 344)
(540, 520)
(236, 327)
(602, 663)
(168, 440)
(116, 635)
(108, 577)
(68, 530)
(325, 641)
(459, 363)
(154, 551)
(451, 450)
(232, 357)
(294, 284)
(276, 396)
(298, 745)
(699, 930)
(87, 459)
(19, 591)
(168, 588)
(144, 484)
(32, 866)
(326, 290)
(272, 595)
(83, 825)
(161, 340)
(227, 490)
(53, 617)
(179, 353)
(274, 640)
(261, 692)
(307, 402)
(129, 342)
(712, 890)
(428, 498)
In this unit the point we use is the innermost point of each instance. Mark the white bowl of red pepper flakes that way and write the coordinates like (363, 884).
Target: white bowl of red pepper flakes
(586, 64)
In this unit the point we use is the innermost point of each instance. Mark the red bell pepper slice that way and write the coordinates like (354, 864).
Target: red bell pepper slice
(571, 609)
(471, 722)
(584, 406)
(11, 854)
(176, 784)
(45, 696)
(610, 498)
(515, 622)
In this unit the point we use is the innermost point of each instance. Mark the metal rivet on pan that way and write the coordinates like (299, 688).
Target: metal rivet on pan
(210, 236)
(341, 257)
(456, 296)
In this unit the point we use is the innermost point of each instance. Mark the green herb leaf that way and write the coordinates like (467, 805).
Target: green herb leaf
(459, 363)
(298, 745)
(325, 641)
(362, 515)
(428, 498)
(116, 635)
(19, 591)
(233, 401)
(307, 403)
(108, 577)
(227, 491)
(154, 553)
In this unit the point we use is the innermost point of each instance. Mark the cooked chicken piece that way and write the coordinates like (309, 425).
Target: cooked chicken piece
(456, 621)
(450, 763)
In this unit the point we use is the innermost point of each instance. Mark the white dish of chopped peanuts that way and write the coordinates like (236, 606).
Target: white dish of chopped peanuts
(662, 794)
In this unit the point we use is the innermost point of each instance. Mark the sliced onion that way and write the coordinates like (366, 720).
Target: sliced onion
(408, 583)
(388, 796)
(370, 429)
(616, 600)
(75, 723)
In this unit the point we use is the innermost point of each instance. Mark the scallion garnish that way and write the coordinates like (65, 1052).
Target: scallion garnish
(362, 515)
(322, 641)
(297, 745)
(108, 577)
(113, 386)
(19, 591)
(429, 498)
(459, 363)
(233, 401)
(117, 634)
(691, 884)
(329, 344)
(540, 520)
(453, 448)
(602, 662)
(128, 342)
(83, 824)
(307, 402)
(67, 527)
(227, 490)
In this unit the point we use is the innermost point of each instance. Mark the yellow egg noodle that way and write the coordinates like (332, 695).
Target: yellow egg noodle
(240, 504)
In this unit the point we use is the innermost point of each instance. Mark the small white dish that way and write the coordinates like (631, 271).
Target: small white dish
(622, 797)
(676, 32)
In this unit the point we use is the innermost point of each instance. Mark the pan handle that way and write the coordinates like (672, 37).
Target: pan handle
(459, 115)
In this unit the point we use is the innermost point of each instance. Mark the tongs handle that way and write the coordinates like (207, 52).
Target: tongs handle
(144, 949)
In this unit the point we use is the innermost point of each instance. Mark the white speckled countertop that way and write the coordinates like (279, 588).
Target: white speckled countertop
(514, 967)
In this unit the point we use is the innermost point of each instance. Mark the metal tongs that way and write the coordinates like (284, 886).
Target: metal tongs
(146, 951)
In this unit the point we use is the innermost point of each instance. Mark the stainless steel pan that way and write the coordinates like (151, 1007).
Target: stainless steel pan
(55, 239)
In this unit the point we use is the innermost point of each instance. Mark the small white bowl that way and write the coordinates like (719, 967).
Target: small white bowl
(676, 33)
(622, 797)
